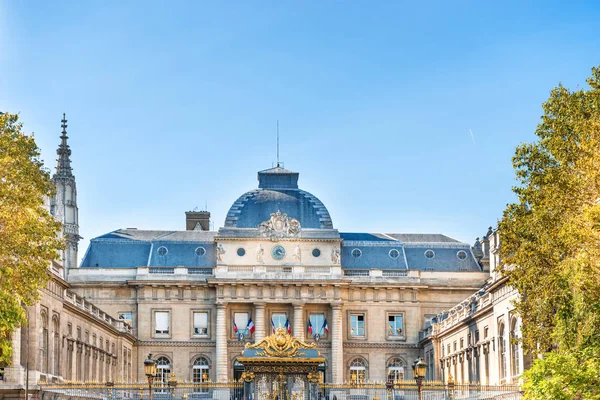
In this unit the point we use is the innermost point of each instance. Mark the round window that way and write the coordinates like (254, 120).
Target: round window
(429, 254)
(278, 252)
(200, 251)
(462, 255)
(162, 251)
(356, 253)
(241, 252)
(316, 253)
(394, 253)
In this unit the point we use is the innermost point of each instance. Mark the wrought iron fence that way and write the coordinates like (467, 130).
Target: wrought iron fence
(409, 390)
(405, 390)
(141, 391)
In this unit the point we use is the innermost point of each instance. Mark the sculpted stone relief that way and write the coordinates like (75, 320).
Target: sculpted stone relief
(220, 252)
(335, 256)
(260, 252)
(279, 226)
(297, 254)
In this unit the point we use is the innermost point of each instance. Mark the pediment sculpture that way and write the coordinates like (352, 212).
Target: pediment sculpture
(280, 226)
(280, 344)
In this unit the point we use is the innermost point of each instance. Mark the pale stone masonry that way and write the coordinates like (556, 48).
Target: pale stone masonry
(375, 301)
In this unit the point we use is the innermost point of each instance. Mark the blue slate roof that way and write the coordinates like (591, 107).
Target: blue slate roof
(375, 251)
(131, 248)
(278, 191)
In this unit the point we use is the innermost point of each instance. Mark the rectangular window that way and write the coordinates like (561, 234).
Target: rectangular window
(476, 337)
(395, 325)
(161, 322)
(462, 343)
(201, 323)
(241, 321)
(279, 320)
(454, 346)
(316, 321)
(485, 332)
(125, 316)
(357, 325)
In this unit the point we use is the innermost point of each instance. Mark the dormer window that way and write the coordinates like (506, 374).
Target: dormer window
(162, 251)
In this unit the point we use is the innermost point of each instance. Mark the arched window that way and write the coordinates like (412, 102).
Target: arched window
(395, 370)
(43, 343)
(514, 347)
(502, 345)
(163, 370)
(200, 370)
(55, 363)
(358, 370)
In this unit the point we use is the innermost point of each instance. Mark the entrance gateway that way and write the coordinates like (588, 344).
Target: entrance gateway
(281, 367)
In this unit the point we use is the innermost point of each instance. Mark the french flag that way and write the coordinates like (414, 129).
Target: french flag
(272, 326)
(288, 326)
(325, 326)
(309, 327)
(250, 326)
(235, 328)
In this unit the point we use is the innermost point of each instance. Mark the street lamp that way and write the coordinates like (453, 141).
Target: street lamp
(419, 369)
(150, 370)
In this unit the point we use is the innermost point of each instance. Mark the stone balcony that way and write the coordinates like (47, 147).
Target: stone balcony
(458, 313)
(95, 312)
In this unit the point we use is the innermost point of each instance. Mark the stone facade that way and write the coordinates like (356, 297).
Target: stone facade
(477, 340)
(67, 339)
(373, 302)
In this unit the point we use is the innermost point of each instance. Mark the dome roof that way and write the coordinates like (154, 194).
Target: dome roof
(278, 191)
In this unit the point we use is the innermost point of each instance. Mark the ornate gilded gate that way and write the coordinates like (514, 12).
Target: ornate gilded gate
(281, 367)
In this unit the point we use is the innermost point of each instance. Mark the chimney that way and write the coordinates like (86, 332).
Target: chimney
(197, 220)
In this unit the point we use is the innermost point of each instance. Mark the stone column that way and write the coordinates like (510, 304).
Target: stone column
(298, 326)
(221, 336)
(15, 373)
(337, 355)
(259, 323)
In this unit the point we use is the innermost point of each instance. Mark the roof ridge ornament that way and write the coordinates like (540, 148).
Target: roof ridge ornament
(280, 226)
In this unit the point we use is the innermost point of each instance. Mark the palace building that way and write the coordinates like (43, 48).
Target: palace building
(372, 302)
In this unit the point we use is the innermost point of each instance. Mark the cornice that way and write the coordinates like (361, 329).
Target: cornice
(266, 239)
(380, 345)
(161, 343)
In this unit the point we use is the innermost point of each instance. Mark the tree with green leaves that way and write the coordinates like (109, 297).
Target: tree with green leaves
(551, 245)
(29, 238)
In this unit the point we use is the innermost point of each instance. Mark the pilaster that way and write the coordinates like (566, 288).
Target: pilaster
(298, 326)
(337, 357)
(15, 373)
(259, 315)
(221, 344)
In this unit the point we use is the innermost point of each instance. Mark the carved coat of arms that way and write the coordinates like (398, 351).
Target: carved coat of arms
(280, 226)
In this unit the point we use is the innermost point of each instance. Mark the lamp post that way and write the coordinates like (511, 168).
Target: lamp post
(419, 369)
(150, 370)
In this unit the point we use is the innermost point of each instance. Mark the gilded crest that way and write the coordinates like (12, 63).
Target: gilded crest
(279, 226)
(280, 344)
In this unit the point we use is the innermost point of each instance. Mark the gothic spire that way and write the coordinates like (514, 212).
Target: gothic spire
(63, 168)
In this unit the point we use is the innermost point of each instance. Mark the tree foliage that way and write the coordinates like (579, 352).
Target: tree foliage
(28, 233)
(551, 238)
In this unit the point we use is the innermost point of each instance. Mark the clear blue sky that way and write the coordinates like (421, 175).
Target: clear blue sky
(174, 104)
